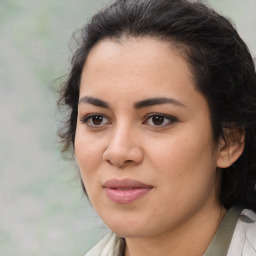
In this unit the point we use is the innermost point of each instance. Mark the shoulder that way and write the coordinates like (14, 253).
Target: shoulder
(108, 246)
(243, 242)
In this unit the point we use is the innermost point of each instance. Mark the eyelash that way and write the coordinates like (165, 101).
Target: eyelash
(88, 120)
(167, 120)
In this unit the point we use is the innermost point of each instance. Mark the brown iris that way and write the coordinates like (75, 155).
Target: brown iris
(157, 120)
(97, 119)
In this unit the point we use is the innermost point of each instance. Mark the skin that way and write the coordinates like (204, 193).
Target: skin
(181, 213)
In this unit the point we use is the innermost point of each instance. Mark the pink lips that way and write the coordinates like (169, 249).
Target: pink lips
(125, 191)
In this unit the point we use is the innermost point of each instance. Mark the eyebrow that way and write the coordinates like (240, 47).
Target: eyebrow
(137, 105)
(157, 101)
(94, 101)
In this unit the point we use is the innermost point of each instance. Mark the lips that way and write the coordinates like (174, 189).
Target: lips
(125, 191)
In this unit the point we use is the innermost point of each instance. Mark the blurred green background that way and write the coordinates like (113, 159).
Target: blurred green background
(42, 208)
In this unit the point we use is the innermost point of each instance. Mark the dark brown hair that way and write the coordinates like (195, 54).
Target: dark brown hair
(221, 65)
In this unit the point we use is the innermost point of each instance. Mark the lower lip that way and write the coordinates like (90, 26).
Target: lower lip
(126, 196)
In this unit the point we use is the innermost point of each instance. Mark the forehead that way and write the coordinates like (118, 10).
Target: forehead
(132, 48)
(136, 60)
(134, 69)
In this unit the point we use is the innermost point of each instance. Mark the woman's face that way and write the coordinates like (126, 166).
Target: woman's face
(144, 141)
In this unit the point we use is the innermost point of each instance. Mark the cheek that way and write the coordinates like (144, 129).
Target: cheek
(88, 158)
(185, 176)
(186, 158)
(88, 152)
(180, 151)
(87, 146)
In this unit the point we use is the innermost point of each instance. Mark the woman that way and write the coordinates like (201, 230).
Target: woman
(162, 100)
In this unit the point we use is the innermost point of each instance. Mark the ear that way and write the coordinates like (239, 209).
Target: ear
(231, 147)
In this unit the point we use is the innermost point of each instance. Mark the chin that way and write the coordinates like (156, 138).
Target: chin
(127, 228)
(129, 233)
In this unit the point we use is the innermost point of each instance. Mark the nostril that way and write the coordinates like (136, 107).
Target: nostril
(118, 163)
(109, 162)
(122, 156)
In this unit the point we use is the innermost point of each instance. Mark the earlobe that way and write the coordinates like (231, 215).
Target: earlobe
(230, 148)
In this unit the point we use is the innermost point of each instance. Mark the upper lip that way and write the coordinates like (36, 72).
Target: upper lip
(125, 183)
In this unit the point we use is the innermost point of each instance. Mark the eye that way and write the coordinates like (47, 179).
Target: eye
(159, 120)
(96, 120)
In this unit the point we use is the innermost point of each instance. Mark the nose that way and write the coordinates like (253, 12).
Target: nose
(123, 149)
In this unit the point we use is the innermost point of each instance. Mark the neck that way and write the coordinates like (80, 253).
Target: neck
(191, 238)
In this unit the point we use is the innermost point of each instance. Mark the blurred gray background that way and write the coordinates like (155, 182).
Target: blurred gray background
(42, 209)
